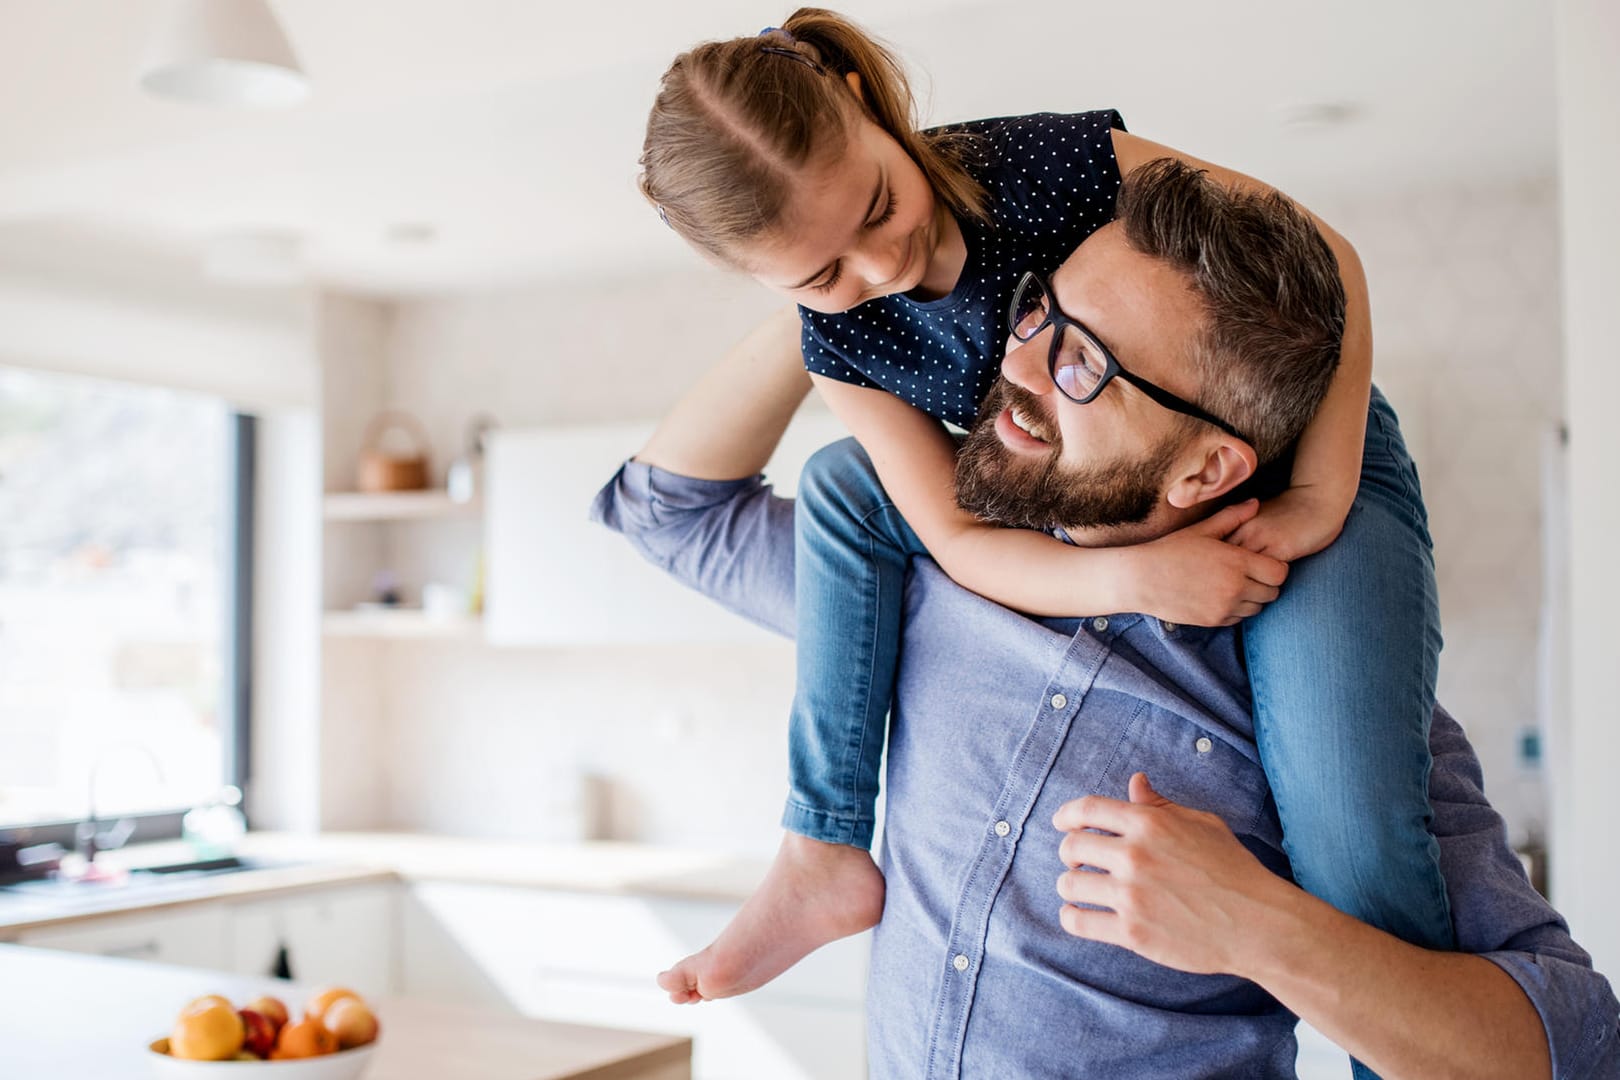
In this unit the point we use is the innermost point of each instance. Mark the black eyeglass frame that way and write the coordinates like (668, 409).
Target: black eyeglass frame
(1112, 368)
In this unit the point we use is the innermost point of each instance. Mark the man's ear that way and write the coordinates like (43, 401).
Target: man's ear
(1221, 466)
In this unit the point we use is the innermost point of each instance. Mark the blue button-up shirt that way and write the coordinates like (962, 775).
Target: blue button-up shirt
(999, 719)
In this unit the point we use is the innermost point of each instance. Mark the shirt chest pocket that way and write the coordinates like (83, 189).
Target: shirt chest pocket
(1194, 766)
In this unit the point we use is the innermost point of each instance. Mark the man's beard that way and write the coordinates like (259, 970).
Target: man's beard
(1026, 492)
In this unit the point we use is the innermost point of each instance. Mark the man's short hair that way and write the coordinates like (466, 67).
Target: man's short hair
(1270, 287)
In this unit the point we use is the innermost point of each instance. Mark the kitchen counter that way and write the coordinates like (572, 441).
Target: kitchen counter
(298, 862)
(65, 1016)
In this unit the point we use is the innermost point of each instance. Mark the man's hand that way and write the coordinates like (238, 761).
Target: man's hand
(1182, 891)
(1299, 522)
(1195, 576)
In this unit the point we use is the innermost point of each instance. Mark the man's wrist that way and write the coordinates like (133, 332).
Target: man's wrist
(1279, 936)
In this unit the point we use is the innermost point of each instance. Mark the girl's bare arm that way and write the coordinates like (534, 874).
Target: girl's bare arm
(728, 424)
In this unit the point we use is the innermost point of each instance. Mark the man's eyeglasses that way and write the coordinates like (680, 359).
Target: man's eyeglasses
(1082, 366)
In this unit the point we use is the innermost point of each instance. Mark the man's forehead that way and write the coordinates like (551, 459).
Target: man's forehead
(1134, 303)
(1090, 283)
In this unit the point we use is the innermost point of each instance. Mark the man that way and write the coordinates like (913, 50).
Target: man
(1113, 759)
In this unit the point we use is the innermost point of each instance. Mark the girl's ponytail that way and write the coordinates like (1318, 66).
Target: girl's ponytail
(844, 47)
(735, 120)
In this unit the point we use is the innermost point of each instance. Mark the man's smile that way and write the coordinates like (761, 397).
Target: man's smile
(1011, 429)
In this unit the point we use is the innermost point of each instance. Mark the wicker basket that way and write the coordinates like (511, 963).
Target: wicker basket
(384, 471)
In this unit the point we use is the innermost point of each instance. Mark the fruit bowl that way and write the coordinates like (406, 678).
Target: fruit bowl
(343, 1065)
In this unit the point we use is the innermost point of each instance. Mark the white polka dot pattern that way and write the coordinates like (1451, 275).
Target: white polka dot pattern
(1052, 182)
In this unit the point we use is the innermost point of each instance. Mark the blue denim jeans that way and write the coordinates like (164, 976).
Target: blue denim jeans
(1342, 666)
(851, 550)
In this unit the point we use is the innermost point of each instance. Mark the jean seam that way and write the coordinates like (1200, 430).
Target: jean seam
(1408, 491)
(875, 596)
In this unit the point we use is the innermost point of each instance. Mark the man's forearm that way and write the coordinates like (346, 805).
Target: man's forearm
(1405, 1011)
(1180, 890)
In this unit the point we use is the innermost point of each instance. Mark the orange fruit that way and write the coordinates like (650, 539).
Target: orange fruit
(207, 1030)
(351, 1021)
(306, 1038)
(315, 1008)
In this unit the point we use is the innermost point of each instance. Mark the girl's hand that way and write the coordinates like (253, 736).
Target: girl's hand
(1299, 522)
(1196, 576)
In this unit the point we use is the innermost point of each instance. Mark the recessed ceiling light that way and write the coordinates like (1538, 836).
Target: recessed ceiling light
(412, 232)
(1318, 114)
(222, 52)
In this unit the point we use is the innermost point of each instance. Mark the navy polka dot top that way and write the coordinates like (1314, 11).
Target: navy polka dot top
(1052, 182)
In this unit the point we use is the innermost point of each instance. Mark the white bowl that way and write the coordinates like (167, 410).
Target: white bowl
(343, 1065)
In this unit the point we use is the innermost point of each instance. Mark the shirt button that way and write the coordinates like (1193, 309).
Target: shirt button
(1204, 745)
(1099, 624)
(1002, 828)
(1059, 701)
(960, 963)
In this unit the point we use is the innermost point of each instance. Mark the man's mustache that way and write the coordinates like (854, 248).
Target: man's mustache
(1009, 395)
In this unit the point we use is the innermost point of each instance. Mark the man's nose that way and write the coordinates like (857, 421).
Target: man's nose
(1025, 363)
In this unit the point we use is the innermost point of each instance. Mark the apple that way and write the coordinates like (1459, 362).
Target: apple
(271, 1008)
(207, 1030)
(315, 1008)
(259, 1032)
(305, 1038)
(351, 1021)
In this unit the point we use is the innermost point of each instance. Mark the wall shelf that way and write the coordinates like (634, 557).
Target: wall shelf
(396, 506)
(402, 624)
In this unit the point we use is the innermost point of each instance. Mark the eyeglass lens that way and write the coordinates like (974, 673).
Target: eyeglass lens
(1079, 365)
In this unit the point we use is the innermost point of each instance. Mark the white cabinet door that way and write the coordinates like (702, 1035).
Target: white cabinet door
(192, 937)
(591, 959)
(343, 937)
(557, 578)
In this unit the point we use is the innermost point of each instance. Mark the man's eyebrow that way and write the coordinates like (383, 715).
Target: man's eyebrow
(871, 208)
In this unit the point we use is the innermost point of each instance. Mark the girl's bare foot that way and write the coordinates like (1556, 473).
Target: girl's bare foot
(815, 893)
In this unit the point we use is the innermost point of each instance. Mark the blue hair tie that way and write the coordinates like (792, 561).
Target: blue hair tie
(791, 54)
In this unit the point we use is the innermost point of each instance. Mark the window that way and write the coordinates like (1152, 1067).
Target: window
(121, 628)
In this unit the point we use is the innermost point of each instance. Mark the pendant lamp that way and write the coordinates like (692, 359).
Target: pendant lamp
(222, 52)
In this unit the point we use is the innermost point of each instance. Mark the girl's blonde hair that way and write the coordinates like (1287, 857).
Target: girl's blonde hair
(734, 121)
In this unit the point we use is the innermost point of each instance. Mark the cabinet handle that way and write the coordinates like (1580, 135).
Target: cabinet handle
(148, 947)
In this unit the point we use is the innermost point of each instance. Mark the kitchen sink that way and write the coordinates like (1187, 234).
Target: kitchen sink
(225, 865)
(159, 878)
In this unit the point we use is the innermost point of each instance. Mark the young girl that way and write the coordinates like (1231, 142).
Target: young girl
(792, 155)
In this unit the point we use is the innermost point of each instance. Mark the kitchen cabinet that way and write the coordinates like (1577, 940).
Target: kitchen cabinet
(557, 578)
(332, 936)
(193, 937)
(588, 958)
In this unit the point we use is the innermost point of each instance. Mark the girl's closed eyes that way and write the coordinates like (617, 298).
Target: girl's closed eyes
(838, 270)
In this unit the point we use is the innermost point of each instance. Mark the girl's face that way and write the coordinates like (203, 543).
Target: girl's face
(859, 225)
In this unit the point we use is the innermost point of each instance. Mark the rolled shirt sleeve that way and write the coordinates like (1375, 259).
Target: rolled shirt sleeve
(1500, 916)
(731, 540)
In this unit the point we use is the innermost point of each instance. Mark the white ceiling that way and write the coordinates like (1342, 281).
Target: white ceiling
(513, 127)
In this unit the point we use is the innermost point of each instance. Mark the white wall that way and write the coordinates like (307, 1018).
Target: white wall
(1586, 882)
(1465, 299)
(118, 311)
(480, 740)
(1466, 328)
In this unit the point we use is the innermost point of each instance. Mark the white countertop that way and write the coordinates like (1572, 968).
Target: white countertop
(324, 860)
(66, 1016)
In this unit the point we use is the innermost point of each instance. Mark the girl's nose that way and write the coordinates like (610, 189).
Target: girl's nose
(885, 259)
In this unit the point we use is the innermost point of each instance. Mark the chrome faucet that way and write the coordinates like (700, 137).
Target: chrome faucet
(88, 840)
